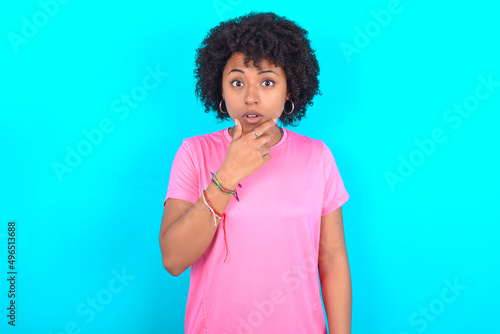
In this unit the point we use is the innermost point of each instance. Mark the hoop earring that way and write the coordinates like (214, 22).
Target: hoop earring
(291, 111)
(220, 107)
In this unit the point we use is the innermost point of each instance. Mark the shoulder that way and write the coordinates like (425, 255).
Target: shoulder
(194, 148)
(214, 138)
(305, 142)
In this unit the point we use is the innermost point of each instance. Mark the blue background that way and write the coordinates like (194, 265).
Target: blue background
(88, 233)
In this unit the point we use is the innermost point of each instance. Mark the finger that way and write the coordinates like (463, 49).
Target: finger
(236, 129)
(266, 158)
(262, 140)
(265, 126)
(265, 150)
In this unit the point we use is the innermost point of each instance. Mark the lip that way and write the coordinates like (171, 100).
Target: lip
(252, 120)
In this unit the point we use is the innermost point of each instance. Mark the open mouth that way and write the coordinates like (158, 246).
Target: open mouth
(252, 117)
(252, 114)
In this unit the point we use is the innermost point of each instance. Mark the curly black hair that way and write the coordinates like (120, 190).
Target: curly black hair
(259, 36)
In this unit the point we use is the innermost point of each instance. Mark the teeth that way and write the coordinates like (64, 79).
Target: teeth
(252, 116)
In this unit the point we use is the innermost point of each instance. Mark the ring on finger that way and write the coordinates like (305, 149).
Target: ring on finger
(255, 133)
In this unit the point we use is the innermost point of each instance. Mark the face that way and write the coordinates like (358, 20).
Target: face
(253, 95)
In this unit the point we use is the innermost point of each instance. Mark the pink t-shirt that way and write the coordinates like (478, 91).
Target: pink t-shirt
(269, 282)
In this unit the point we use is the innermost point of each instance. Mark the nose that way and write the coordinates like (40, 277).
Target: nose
(252, 95)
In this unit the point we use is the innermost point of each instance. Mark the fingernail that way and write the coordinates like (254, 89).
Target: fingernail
(275, 120)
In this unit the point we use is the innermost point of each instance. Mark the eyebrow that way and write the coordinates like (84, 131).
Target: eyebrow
(261, 72)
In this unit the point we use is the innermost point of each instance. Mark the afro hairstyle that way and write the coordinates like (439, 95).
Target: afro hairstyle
(258, 36)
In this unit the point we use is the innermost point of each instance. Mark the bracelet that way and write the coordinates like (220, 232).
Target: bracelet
(217, 215)
(210, 207)
(225, 190)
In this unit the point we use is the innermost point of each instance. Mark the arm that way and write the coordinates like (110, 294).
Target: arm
(187, 229)
(334, 273)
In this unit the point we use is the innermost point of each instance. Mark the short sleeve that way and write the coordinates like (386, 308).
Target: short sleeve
(183, 182)
(335, 194)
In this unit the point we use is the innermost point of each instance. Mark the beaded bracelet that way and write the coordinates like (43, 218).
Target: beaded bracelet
(219, 216)
(225, 190)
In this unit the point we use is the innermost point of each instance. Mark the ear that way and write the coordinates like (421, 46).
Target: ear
(288, 95)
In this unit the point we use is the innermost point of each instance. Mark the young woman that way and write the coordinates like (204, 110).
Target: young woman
(277, 194)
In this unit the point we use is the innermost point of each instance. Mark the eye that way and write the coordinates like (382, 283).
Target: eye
(268, 83)
(236, 83)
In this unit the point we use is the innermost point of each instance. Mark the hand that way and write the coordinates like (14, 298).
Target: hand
(246, 154)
